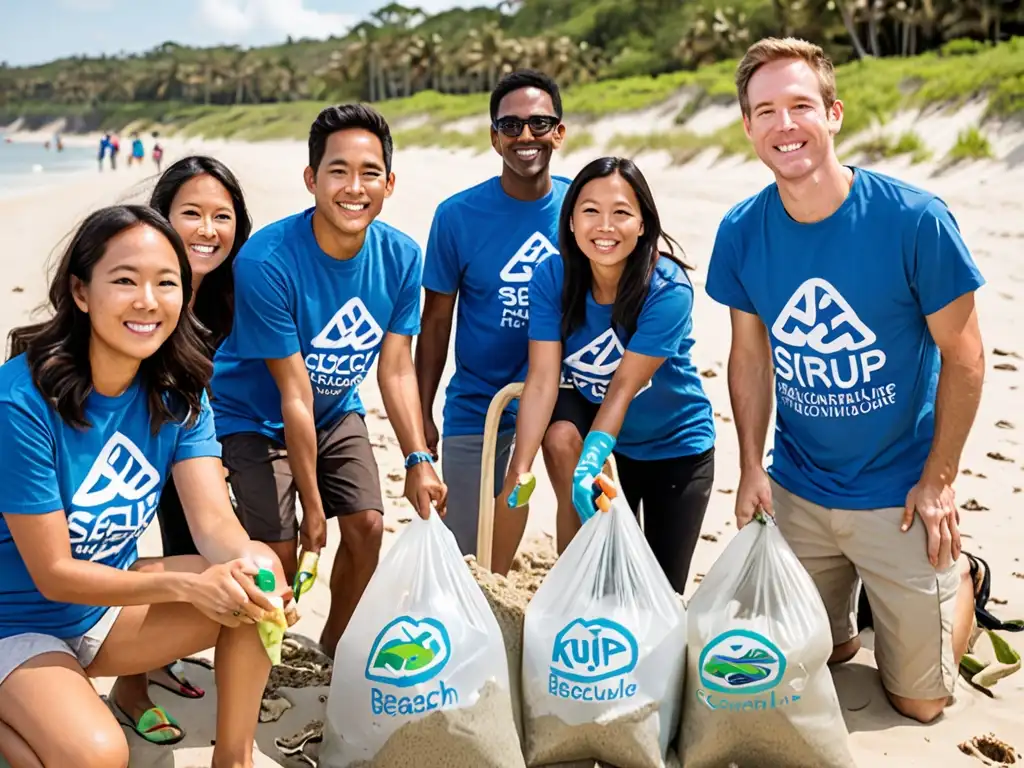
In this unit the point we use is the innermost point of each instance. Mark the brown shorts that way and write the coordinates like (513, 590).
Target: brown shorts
(912, 602)
(261, 478)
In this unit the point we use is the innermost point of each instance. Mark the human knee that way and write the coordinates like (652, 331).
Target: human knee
(103, 746)
(562, 443)
(844, 651)
(922, 710)
(363, 532)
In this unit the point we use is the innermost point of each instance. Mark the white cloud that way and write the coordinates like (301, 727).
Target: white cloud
(87, 5)
(238, 19)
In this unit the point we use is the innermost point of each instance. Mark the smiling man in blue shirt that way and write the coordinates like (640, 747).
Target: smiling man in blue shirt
(485, 243)
(858, 290)
(319, 297)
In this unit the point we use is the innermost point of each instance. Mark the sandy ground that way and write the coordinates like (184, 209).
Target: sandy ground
(985, 198)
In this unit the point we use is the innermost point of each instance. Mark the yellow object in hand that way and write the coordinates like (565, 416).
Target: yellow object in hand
(273, 625)
(305, 577)
(520, 496)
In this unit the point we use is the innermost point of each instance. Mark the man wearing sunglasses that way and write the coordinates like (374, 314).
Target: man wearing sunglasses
(485, 243)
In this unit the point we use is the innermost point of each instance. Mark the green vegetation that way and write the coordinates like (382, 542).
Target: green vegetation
(971, 144)
(882, 147)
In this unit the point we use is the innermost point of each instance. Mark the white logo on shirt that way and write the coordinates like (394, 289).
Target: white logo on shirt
(353, 335)
(814, 377)
(592, 367)
(115, 503)
(515, 298)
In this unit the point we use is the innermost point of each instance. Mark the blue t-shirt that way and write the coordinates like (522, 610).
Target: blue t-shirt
(669, 417)
(844, 301)
(486, 245)
(107, 479)
(292, 297)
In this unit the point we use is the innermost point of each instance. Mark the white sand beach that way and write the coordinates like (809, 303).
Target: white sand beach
(986, 199)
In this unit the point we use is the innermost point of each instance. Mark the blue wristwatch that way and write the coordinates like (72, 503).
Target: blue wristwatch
(417, 457)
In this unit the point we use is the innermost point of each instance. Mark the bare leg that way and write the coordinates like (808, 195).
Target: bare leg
(91, 738)
(288, 553)
(144, 637)
(562, 446)
(509, 527)
(357, 558)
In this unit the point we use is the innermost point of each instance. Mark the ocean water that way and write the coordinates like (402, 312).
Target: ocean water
(28, 165)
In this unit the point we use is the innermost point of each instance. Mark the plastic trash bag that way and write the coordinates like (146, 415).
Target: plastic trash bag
(604, 641)
(758, 688)
(420, 675)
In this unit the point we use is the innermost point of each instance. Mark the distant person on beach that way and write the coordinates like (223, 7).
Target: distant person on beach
(100, 405)
(158, 156)
(138, 151)
(612, 314)
(319, 297)
(485, 243)
(203, 201)
(104, 149)
(859, 290)
(115, 147)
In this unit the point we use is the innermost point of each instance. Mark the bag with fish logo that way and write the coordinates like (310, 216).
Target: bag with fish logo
(758, 688)
(604, 641)
(420, 674)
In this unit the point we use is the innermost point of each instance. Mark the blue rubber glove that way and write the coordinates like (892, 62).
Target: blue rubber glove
(597, 447)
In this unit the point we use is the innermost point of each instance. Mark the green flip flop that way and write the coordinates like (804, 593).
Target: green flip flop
(155, 725)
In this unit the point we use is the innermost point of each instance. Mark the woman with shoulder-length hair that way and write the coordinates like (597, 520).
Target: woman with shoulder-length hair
(203, 201)
(611, 315)
(99, 405)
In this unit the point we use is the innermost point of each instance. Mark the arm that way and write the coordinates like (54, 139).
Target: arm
(300, 436)
(536, 404)
(633, 372)
(750, 386)
(432, 354)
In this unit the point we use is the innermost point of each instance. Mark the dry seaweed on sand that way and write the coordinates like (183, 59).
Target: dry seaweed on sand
(990, 750)
(303, 745)
(301, 667)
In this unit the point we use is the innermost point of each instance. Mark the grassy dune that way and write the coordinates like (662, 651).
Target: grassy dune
(873, 90)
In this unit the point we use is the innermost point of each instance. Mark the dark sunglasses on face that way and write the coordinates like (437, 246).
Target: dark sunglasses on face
(539, 125)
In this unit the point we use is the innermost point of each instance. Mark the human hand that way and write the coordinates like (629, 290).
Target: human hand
(227, 593)
(313, 530)
(431, 434)
(755, 492)
(424, 489)
(597, 447)
(935, 504)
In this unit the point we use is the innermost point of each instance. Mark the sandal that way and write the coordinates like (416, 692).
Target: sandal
(183, 688)
(155, 725)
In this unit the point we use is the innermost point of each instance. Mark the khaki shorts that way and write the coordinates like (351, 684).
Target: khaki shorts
(264, 489)
(912, 602)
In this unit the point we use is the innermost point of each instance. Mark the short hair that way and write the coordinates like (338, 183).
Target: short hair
(525, 78)
(343, 118)
(772, 49)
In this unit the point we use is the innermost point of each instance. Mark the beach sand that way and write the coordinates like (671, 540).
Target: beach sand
(985, 198)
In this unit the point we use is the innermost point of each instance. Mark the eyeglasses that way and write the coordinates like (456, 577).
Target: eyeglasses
(513, 126)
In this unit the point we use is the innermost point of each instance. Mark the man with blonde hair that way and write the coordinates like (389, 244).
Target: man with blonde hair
(859, 290)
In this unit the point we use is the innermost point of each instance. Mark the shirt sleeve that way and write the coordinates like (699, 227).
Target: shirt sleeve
(942, 268)
(264, 325)
(200, 439)
(724, 284)
(662, 322)
(28, 462)
(545, 303)
(405, 318)
(441, 271)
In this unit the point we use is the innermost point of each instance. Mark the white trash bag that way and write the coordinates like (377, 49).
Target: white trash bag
(759, 693)
(604, 641)
(420, 675)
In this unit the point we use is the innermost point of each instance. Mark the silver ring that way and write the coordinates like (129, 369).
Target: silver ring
(237, 613)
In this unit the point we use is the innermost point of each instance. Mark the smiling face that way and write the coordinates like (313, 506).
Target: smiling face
(527, 154)
(789, 125)
(134, 296)
(607, 220)
(203, 213)
(351, 184)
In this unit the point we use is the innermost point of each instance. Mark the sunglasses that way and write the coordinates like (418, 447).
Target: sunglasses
(539, 125)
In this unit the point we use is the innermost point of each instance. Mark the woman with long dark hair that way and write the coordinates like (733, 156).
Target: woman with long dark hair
(203, 201)
(611, 318)
(99, 405)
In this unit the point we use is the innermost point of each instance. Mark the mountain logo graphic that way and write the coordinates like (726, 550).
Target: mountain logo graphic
(532, 253)
(741, 662)
(592, 651)
(121, 471)
(408, 652)
(595, 364)
(817, 316)
(352, 326)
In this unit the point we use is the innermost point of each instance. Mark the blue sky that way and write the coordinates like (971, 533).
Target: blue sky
(35, 31)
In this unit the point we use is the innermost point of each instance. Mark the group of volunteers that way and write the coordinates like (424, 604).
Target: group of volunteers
(185, 354)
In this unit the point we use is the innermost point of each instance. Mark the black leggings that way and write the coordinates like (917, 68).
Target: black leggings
(174, 532)
(672, 494)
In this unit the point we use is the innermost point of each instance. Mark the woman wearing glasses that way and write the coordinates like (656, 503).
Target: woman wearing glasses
(612, 313)
(484, 244)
